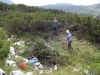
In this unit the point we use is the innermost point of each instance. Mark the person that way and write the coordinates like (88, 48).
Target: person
(69, 40)
(55, 21)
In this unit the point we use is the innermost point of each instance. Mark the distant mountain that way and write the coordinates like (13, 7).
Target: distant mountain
(7, 1)
(80, 9)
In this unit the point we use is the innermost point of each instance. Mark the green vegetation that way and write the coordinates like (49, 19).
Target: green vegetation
(35, 24)
(4, 45)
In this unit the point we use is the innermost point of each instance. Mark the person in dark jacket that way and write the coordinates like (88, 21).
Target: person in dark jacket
(55, 21)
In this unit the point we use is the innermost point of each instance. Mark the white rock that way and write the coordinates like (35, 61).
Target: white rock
(86, 71)
(12, 51)
(2, 72)
(20, 43)
(16, 72)
(10, 63)
(39, 65)
(29, 73)
(55, 67)
(41, 72)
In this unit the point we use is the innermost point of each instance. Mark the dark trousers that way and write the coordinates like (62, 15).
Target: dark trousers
(55, 30)
(70, 45)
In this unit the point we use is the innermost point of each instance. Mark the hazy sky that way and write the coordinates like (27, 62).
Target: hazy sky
(45, 2)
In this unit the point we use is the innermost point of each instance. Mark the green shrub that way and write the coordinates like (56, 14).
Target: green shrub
(4, 47)
(95, 68)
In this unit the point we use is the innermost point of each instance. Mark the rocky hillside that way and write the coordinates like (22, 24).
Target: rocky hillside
(84, 59)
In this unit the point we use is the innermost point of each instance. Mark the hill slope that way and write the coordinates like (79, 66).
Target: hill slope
(89, 9)
(84, 58)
